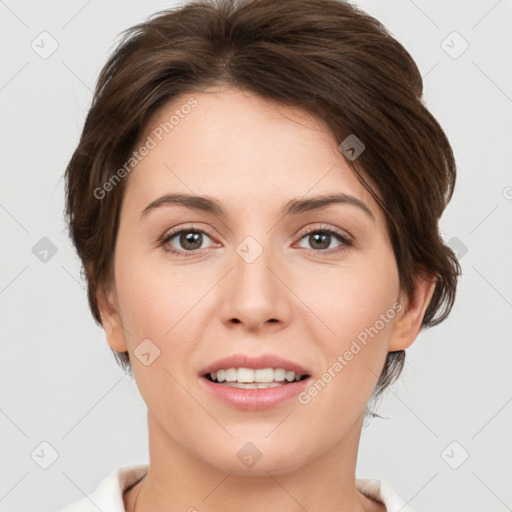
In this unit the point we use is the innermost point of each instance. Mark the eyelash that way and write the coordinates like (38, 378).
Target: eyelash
(344, 239)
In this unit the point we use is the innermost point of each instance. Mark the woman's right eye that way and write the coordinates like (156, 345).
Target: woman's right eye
(188, 241)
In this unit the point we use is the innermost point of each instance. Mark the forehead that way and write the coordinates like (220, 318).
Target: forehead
(241, 149)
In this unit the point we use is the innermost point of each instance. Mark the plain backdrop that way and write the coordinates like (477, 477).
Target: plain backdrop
(445, 444)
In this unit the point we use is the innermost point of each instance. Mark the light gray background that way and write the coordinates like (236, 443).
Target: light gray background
(60, 383)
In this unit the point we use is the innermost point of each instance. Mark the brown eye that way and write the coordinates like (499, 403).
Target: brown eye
(190, 240)
(320, 240)
(185, 240)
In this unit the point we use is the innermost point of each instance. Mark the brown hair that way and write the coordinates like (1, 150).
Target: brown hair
(326, 57)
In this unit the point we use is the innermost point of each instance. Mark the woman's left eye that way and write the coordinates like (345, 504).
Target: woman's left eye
(320, 239)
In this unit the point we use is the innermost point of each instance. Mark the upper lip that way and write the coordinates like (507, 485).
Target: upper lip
(254, 362)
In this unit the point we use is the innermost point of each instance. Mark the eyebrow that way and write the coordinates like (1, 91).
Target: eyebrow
(292, 207)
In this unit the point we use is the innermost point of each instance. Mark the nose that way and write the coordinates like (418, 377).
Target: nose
(254, 294)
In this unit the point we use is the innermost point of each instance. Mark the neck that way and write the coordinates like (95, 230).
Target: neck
(177, 477)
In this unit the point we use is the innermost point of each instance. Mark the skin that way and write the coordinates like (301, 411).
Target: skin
(252, 156)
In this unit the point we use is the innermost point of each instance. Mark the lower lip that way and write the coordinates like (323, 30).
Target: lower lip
(255, 399)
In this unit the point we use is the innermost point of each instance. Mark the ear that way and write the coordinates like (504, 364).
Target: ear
(111, 320)
(407, 322)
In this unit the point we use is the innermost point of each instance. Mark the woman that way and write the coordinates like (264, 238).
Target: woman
(255, 199)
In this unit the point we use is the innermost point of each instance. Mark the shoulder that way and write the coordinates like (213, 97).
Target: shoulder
(108, 495)
(382, 491)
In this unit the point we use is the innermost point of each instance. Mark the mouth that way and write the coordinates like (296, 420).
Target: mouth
(254, 371)
(254, 382)
(249, 378)
(245, 393)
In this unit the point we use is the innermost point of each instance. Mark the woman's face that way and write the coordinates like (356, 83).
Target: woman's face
(251, 281)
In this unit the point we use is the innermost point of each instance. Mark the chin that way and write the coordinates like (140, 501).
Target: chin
(254, 458)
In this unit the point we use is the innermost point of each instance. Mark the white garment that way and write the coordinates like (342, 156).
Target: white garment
(108, 496)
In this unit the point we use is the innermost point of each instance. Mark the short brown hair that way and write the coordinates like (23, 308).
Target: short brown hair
(326, 57)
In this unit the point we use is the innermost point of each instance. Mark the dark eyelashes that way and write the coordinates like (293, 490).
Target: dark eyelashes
(345, 241)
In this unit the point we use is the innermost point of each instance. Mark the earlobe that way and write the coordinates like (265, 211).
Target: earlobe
(408, 323)
(111, 320)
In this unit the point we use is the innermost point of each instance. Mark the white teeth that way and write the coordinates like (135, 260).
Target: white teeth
(231, 375)
(252, 385)
(265, 375)
(280, 374)
(248, 375)
(244, 374)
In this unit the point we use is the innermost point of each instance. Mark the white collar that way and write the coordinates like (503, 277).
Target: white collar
(108, 496)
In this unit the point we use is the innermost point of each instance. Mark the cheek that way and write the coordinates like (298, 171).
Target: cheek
(159, 303)
(152, 294)
(351, 297)
(354, 316)
(154, 306)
